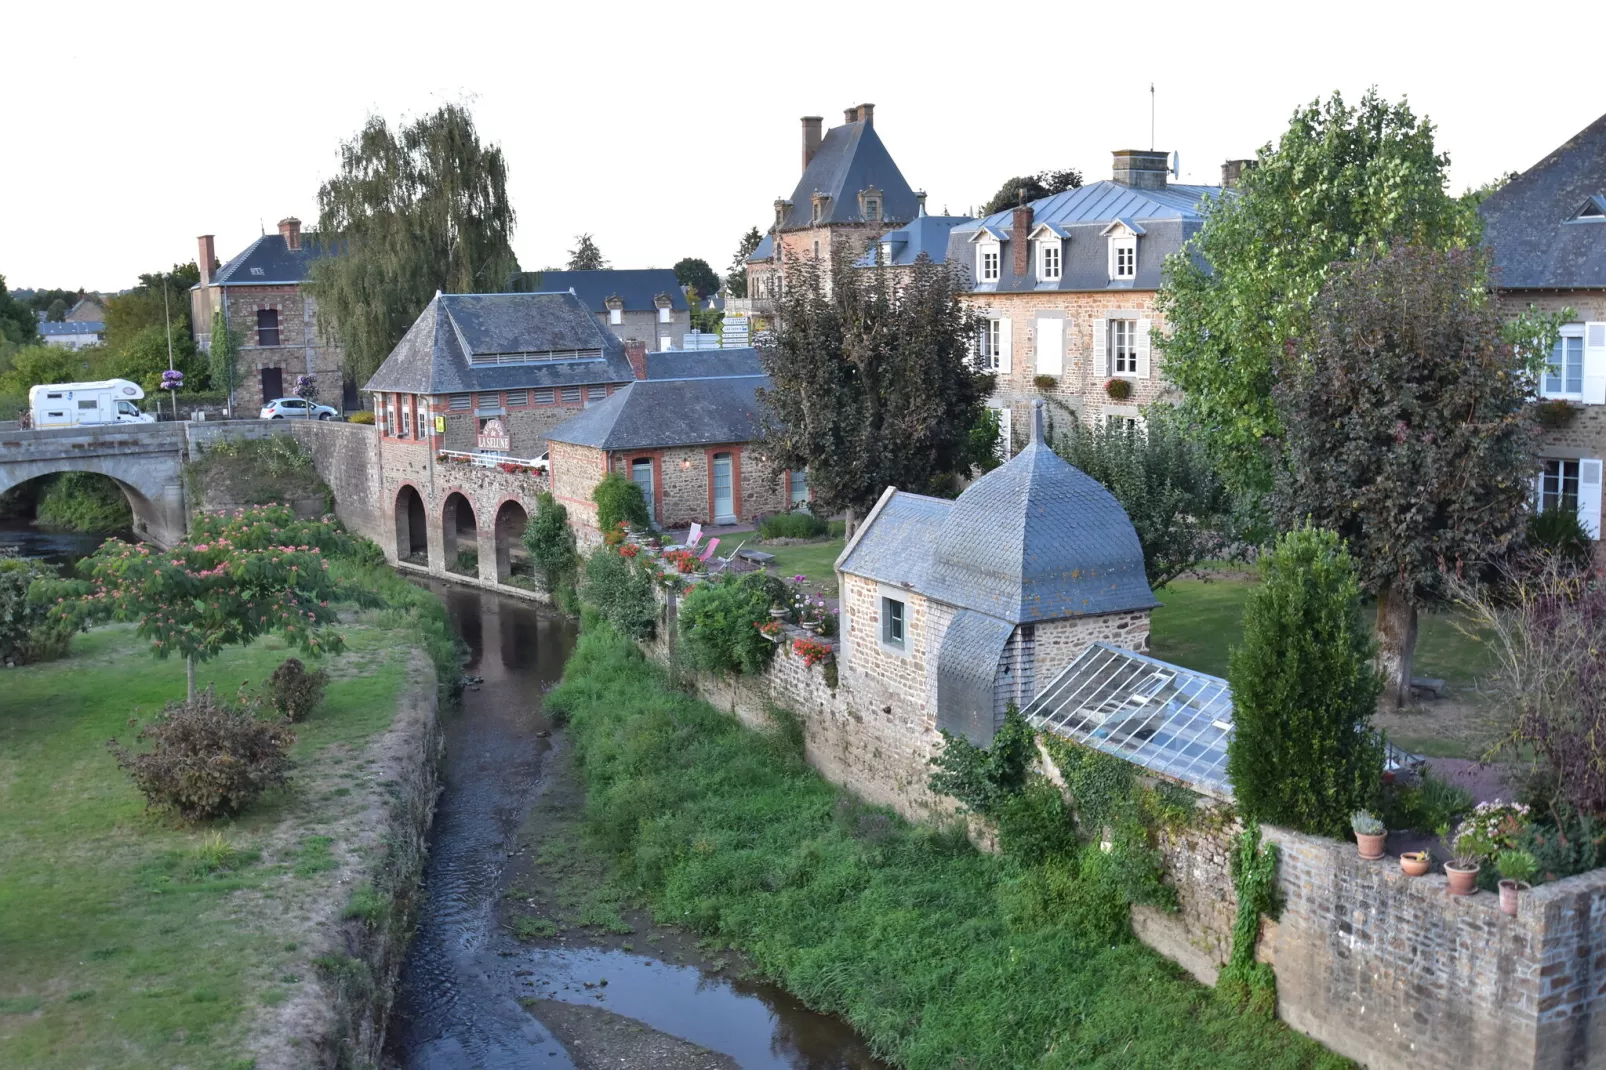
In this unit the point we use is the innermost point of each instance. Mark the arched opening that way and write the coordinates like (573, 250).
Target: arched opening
(512, 559)
(460, 536)
(65, 515)
(412, 527)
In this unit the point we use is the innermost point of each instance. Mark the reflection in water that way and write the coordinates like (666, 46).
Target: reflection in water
(61, 548)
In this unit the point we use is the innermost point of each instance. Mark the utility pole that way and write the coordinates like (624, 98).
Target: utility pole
(167, 314)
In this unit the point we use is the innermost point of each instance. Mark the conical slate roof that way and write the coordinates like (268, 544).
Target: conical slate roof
(1036, 539)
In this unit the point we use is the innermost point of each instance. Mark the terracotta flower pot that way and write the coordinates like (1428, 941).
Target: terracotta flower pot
(1414, 867)
(1508, 895)
(1371, 847)
(1462, 881)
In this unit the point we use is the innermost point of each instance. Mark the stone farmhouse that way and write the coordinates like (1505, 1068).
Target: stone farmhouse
(260, 293)
(1546, 229)
(646, 304)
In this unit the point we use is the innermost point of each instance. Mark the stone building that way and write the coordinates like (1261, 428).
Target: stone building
(274, 320)
(1546, 229)
(685, 433)
(646, 304)
(925, 235)
(954, 610)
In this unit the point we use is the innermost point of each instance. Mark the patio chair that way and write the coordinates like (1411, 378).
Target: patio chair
(708, 551)
(694, 536)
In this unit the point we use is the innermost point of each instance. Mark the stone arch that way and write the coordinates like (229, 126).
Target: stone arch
(511, 518)
(412, 524)
(458, 524)
(150, 505)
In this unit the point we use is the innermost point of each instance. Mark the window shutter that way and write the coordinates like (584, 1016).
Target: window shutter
(1101, 347)
(1143, 347)
(1006, 345)
(1589, 495)
(1050, 347)
(1595, 364)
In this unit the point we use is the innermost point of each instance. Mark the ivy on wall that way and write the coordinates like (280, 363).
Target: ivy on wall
(1243, 981)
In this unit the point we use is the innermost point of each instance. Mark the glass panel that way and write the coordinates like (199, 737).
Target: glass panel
(641, 474)
(723, 503)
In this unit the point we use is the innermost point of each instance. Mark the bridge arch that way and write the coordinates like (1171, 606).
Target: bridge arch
(155, 505)
(509, 524)
(412, 524)
(458, 526)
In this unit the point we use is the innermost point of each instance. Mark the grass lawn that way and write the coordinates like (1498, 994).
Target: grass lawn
(120, 950)
(816, 560)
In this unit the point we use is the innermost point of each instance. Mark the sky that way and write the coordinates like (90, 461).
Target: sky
(667, 130)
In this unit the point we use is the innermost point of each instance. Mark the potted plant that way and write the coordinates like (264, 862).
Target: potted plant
(1462, 868)
(1118, 389)
(770, 630)
(1370, 833)
(1415, 863)
(1517, 868)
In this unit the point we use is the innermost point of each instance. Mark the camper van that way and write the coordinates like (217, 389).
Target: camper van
(110, 401)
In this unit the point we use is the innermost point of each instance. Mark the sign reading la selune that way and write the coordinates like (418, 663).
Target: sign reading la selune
(493, 435)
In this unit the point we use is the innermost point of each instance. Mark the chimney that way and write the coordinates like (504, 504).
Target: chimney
(811, 138)
(1232, 172)
(1019, 246)
(867, 114)
(1141, 168)
(290, 227)
(850, 115)
(205, 257)
(920, 202)
(636, 354)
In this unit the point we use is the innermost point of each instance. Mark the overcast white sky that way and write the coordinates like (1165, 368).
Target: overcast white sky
(668, 129)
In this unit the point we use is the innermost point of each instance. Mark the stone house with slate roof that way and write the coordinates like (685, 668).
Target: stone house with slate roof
(684, 432)
(1546, 230)
(276, 323)
(645, 304)
(953, 610)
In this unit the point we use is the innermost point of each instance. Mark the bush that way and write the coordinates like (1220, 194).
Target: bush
(620, 590)
(1304, 688)
(28, 632)
(983, 779)
(207, 758)
(84, 501)
(719, 623)
(550, 541)
(1559, 532)
(293, 691)
(803, 524)
(362, 416)
(618, 499)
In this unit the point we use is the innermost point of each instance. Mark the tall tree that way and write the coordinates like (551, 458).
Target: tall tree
(1024, 188)
(57, 312)
(413, 210)
(1407, 432)
(18, 324)
(1342, 182)
(585, 256)
(225, 354)
(872, 385)
(736, 277)
(140, 323)
(698, 275)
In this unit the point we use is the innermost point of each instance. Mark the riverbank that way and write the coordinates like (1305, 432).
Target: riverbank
(939, 955)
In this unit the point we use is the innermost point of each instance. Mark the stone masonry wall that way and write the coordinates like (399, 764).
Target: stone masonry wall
(683, 479)
(301, 349)
(1059, 642)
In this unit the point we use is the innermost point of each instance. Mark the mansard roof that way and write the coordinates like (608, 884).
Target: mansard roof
(926, 234)
(1539, 225)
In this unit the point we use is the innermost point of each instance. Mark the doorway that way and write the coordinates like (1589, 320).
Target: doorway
(724, 499)
(641, 476)
(272, 384)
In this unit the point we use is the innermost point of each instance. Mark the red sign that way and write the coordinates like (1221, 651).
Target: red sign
(493, 436)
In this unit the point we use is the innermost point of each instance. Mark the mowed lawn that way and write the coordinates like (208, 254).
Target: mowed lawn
(816, 560)
(117, 950)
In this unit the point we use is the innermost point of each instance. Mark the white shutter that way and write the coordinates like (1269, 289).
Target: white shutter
(1050, 347)
(1589, 495)
(1101, 348)
(1006, 346)
(1595, 364)
(1006, 443)
(1143, 347)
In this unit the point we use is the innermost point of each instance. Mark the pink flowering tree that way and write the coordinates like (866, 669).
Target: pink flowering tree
(238, 576)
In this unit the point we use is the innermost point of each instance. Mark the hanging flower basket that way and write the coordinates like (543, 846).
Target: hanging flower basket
(172, 379)
(1555, 414)
(770, 630)
(1118, 389)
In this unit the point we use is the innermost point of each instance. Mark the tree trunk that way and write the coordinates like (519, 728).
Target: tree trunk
(850, 524)
(1396, 646)
(189, 677)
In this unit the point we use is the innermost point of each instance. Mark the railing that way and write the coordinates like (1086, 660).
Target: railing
(532, 465)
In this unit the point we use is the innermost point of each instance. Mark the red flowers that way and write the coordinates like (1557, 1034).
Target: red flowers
(812, 651)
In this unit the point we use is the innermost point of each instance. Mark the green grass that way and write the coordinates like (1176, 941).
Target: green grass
(816, 560)
(114, 922)
(908, 932)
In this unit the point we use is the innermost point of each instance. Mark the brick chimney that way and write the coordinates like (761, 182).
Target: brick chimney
(1142, 168)
(867, 114)
(206, 256)
(1232, 172)
(1019, 246)
(850, 115)
(290, 227)
(811, 138)
(636, 354)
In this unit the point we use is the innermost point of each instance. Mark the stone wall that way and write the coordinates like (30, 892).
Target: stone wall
(346, 456)
(301, 349)
(683, 482)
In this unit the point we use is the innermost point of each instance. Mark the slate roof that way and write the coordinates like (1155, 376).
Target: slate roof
(1529, 225)
(703, 363)
(765, 250)
(269, 259)
(663, 413)
(967, 669)
(433, 357)
(924, 234)
(637, 287)
(1167, 218)
(56, 330)
(850, 158)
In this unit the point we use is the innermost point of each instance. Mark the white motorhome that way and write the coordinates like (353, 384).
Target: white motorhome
(110, 401)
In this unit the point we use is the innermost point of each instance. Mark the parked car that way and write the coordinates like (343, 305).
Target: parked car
(296, 408)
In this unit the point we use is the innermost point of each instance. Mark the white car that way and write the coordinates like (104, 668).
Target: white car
(295, 408)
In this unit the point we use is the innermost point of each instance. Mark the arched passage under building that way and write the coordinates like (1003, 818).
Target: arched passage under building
(459, 535)
(412, 526)
(511, 556)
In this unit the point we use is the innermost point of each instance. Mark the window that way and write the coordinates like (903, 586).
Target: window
(406, 422)
(872, 208)
(571, 395)
(663, 314)
(1124, 257)
(423, 422)
(1124, 347)
(487, 402)
(461, 402)
(819, 210)
(1117, 422)
(1558, 486)
(886, 253)
(893, 624)
(987, 263)
(544, 397)
(616, 316)
(1048, 260)
(87, 403)
(991, 345)
(798, 488)
(518, 397)
(816, 248)
(267, 326)
(1564, 375)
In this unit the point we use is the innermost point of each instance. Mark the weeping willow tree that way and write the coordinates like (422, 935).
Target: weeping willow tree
(413, 210)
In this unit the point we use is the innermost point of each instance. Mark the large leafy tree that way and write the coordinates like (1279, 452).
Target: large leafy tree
(698, 275)
(872, 385)
(736, 277)
(18, 325)
(1025, 188)
(1407, 431)
(585, 256)
(140, 324)
(1343, 181)
(414, 210)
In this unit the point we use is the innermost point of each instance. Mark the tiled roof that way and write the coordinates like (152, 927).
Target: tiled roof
(57, 330)
(703, 363)
(638, 288)
(658, 414)
(851, 158)
(765, 250)
(269, 259)
(1532, 223)
(895, 542)
(967, 666)
(924, 234)
(434, 356)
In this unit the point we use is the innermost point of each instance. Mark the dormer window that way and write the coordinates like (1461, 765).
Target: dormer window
(1591, 211)
(872, 208)
(870, 204)
(1048, 259)
(821, 206)
(1124, 257)
(886, 253)
(987, 260)
(616, 310)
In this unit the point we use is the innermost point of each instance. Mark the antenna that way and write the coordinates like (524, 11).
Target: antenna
(1151, 116)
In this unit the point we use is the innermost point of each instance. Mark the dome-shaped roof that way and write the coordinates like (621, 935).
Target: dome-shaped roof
(1036, 539)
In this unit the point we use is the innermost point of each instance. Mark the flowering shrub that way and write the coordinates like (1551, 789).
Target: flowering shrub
(769, 629)
(684, 561)
(614, 535)
(629, 549)
(363, 417)
(812, 651)
(1492, 827)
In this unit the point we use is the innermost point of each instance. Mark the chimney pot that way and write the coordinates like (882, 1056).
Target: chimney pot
(811, 138)
(206, 256)
(1019, 245)
(290, 227)
(1232, 172)
(1142, 168)
(636, 354)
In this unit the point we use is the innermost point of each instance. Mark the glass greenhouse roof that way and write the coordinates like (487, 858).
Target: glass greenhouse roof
(1172, 721)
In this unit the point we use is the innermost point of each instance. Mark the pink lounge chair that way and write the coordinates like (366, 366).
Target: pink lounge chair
(713, 544)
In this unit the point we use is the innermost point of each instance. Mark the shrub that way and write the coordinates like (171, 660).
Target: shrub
(361, 417)
(803, 524)
(719, 623)
(295, 692)
(28, 632)
(621, 592)
(986, 446)
(550, 541)
(84, 501)
(1304, 688)
(618, 499)
(982, 778)
(207, 758)
(1559, 532)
